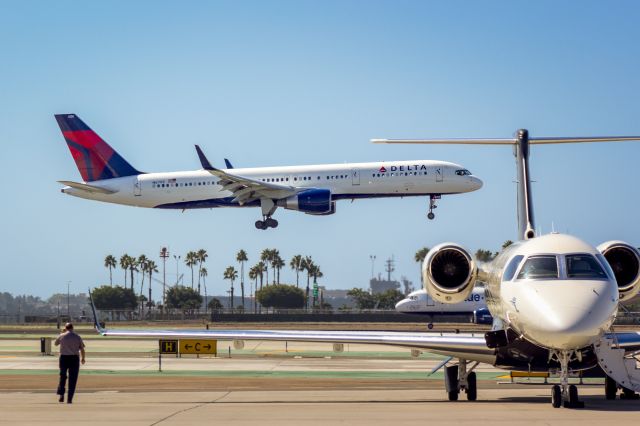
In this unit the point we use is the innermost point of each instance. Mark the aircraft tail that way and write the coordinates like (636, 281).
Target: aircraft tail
(95, 159)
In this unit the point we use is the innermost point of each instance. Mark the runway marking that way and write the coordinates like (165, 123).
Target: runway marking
(190, 408)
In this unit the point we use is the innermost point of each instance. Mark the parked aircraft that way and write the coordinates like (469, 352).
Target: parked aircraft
(419, 302)
(312, 190)
(553, 298)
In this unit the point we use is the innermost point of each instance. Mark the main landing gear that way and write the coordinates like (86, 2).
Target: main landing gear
(266, 223)
(268, 208)
(564, 392)
(432, 205)
(459, 377)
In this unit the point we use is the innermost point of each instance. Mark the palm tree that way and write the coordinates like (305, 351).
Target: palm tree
(201, 256)
(315, 273)
(110, 262)
(203, 274)
(241, 257)
(231, 274)
(274, 255)
(191, 259)
(265, 257)
(142, 263)
(125, 261)
(133, 267)
(279, 264)
(151, 268)
(296, 265)
(308, 266)
(262, 268)
(419, 258)
(421, 254)
(253, 275)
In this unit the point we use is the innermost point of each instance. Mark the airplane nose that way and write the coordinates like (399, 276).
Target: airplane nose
(475, 183)
(572, 315)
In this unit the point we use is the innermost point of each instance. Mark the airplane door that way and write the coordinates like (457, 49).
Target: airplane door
(439, 173)
(355, 177)
(137, 188)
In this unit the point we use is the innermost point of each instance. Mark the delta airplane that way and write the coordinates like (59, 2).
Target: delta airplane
(312, 190)
(419, 302)
(553, 298)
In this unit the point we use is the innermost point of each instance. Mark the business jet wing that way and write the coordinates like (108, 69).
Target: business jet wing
(467, 346)
(246, 189)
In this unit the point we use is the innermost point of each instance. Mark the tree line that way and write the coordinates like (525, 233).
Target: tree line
(185, 298)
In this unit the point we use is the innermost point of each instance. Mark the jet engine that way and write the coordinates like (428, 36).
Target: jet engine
(312, 201)
(449, 273)
(624, 260)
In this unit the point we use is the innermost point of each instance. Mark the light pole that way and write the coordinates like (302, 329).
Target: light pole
(373, 260)
(164, 254)
(177, 258)
(68, 314)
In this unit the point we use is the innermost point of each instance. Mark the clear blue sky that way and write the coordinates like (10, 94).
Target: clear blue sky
(306, 82)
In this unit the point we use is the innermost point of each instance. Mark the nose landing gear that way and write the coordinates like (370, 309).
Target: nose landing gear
(564, 392)
(432, 205)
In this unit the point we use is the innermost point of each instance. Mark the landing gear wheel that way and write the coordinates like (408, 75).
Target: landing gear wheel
(610, 388)
(451, 382)
(472, 388)
(628, 394)
(432, 205)
(430, 326)
(260, 225)
(431, 216)
(556, 396)
(573, 397)
(271, 223)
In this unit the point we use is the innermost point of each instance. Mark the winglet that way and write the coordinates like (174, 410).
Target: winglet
(96, 323)
(203, 159)
(228, 164)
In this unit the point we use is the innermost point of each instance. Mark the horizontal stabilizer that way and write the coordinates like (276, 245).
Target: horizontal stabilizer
(512, 141)
(87, 188)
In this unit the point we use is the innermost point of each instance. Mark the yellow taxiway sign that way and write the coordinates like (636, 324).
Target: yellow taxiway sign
(193, 346)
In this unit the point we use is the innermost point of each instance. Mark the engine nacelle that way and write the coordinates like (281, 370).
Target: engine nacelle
(312, 201)
(449, 273)
(331, 211)
(624, 259)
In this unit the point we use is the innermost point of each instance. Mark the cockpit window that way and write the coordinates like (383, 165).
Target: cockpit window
(512, 267)
(539, 267)
(605, 264)
(583, 266)
(463, 172)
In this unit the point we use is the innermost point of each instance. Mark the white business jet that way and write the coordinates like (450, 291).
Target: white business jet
(553, 298)
(313, 190)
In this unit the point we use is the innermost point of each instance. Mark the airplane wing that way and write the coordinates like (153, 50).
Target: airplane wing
(467, 346)
(87, 188)
(245, 189)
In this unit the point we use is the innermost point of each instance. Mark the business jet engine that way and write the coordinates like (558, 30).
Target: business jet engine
(449, 273)
(311, 201)
(624, 259)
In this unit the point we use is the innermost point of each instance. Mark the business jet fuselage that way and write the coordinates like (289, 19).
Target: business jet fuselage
(310, 189)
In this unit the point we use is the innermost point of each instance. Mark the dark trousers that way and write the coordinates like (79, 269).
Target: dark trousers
(69, 363)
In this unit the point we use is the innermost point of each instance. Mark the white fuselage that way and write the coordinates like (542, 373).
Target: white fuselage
(200, 189)
(563, 312)
(420, 302)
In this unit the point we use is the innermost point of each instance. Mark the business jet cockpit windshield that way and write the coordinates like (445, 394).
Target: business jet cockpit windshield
(570, 266)
(583, 266)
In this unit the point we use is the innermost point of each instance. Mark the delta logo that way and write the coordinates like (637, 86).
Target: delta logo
(404, 168)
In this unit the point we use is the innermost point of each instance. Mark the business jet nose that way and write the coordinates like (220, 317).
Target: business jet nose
(401, 306)
(570, 314)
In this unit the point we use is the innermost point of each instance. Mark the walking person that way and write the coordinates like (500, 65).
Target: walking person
(70, 345)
